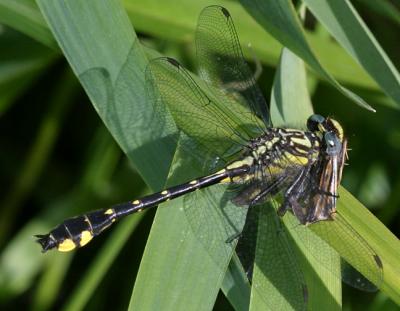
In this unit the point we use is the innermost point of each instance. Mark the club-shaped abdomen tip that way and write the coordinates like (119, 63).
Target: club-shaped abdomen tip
(46, 242)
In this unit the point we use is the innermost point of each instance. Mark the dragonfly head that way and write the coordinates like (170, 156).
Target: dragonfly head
(317, 123)
(329, 130)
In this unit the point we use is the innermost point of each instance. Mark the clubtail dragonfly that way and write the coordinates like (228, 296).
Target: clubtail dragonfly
(227, 116)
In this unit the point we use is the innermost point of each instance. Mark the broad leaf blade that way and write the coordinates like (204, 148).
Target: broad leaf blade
(290, 102)
(24, 16)
(103, 51)
(291, 105)
(279, 18)
(344, 23)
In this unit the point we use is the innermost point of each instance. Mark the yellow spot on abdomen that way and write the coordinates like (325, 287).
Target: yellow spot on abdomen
(66, 245)
(225, 180)
(86, 236)
(110, 211)
(165, 192)
(136, 202)
(193, 182)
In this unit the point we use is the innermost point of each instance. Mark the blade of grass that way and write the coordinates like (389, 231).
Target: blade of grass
(384, 243)
(48, 286)
(38, 154)
(103, 51)
(154, 16)
(384, 7)
(279, 18)
(18, 69)
(110, 63)
(235, 286)
(347, 27)
(21, 259)
(290, 104)
(101, 264)
(181, 24)
(24, 16)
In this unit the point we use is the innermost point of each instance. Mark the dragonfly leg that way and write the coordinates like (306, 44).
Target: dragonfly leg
(270, 190)
(292, 195)
(233, 237)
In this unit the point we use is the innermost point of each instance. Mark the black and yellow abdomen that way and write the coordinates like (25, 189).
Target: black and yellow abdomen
(78, 231)
(276, 157)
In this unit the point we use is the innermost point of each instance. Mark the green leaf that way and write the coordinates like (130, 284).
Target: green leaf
(112, 77)
(154, 16)
(279, 18)
(38, 155)
(98, 42)
(290, 102)
(21, 259)
(277, 277)
(291, 105)
(17, 67)
(102, 263)
(383, 242)
(347, 27)
(24, 16)
(384, 7)
(235, 286)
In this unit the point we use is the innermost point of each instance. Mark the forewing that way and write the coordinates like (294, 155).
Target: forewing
(179, 102)
(222, 63)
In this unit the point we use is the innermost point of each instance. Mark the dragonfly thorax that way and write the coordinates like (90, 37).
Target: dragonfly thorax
(279, 151)
(282, 147)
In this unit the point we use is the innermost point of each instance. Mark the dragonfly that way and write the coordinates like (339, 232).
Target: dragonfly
(225, 115)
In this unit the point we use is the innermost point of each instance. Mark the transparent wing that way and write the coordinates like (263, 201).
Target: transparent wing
(318, 198)
(222, 63)
(353, 248)
(214, 220)
(265, 243)
(173, 92)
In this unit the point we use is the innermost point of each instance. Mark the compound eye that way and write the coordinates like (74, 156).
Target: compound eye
(333, 144)
(313, 122)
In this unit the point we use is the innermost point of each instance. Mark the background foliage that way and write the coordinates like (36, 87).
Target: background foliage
(58, 159)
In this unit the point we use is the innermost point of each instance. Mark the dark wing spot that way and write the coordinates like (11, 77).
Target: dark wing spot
(225, 12)
(378, 261)
(173, 62)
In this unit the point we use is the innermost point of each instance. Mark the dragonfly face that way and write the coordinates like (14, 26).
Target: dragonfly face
(330, 132)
